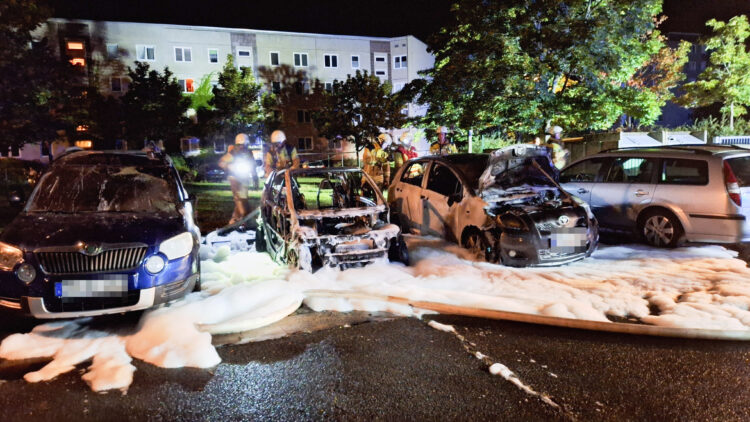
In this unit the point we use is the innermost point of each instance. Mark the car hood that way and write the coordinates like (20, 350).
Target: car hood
(35, 230)
(519, 166)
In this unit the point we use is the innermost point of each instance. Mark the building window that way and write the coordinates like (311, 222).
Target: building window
(304, 144)
(331, 60)
(276, 87)
(75, 45)
(355, 62)
(380, 72)
(380, 59)
(183, 54)
(243, 53)
(145, 53)
(302, 87)
(113, 51)
(399, 62)
(78, 61)
(300, 59)
(274, 58)
(187, 85)
(303, 116)
(213, 55)
(328, 86)
(116, 84)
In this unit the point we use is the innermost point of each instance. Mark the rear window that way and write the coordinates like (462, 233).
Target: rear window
(741, 169)
(684, 172)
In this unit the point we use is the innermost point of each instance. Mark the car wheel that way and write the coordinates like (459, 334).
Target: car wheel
(476, 243)
(398, 252)
(661, 229)
(260, 240)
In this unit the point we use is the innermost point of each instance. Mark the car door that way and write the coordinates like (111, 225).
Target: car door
(407, 191)
(580, 178)
(627, 187)
(440, 196)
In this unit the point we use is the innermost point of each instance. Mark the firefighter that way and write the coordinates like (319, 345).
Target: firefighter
(239, 163)
(559, 154)
(375, 160)
(280, 154)
(443, 145)
(403, 151)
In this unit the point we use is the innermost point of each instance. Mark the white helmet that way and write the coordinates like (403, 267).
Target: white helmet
(278, 137)
(405, 139)
(442, 129)
(241, 139)
(385, 140)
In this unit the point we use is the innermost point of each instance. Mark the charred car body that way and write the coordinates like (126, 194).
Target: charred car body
(101, 233)
(505, 206)
(336, 217)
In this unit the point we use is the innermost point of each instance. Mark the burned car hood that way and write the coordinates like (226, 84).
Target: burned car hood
(34, 230)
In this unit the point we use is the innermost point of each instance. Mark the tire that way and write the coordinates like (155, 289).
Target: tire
(660, 228)
(474, 241)
(260, 240)
(398, 252)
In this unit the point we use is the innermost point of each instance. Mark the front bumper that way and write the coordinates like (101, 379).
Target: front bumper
(532, 249)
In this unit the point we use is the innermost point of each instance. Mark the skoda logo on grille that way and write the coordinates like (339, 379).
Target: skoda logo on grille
(563, 220)
(90, 250)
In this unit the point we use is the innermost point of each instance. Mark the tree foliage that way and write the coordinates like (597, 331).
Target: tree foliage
(153, 107)
(296, 92)
(726, 79)
(360, 107)
(521, 65)
(236, 101)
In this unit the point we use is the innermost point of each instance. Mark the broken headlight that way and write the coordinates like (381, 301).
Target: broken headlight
(9, 256)
(512, 222)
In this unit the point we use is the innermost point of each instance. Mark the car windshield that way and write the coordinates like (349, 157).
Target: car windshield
(76, 188)
(329, 188)
(515, 166)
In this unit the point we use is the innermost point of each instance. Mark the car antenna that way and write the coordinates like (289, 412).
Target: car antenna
(538, 167)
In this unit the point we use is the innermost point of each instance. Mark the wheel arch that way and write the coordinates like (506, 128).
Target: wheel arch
(676, 212)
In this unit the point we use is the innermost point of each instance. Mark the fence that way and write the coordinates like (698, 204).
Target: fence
(732, 140)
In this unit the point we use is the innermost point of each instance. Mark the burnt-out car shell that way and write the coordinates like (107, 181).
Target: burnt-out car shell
(326, 217)
(92, 233)
(532, 220)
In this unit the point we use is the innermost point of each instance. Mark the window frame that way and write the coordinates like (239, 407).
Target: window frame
(331, 58)
(111, 56)
(184, 83)
(300, 54)
(613, 160)
(425, 169)
(145, 52)
(400, 60)
(217, 55)
(599, 177)
(304, 140)
(111, 85)
(436, 164)
(663, 168)
(359, 65)
(270, 58)
(303, 116)
(183, 49)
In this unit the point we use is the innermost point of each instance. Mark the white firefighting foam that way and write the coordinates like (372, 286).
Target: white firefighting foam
(696, 287)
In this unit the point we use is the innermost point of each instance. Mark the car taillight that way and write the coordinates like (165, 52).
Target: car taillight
(733, 188)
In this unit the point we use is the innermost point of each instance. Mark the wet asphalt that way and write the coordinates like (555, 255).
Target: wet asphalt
(402, 369)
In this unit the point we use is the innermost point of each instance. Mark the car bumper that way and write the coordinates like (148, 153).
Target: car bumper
(532, 251)
(149, 297)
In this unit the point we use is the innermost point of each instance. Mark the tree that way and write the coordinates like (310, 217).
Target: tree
(34, 84)
(153, 107)
(237, 101)
(726, 79)
(522, 65)
(360, 108)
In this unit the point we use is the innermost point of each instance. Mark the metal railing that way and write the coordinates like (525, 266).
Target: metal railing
(732, 140)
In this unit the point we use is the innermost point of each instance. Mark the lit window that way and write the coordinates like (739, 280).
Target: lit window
(183, 54)
(331, 60)
(73, 45)
(85, 144)
(300, 59)
(82, 128)
(187, 85)
(145, 53)
(116, 84)
(399, 62)
(113, 51)
(304, 143)
(78, 61)
(213, 55)
(274, 58)
(355, 62)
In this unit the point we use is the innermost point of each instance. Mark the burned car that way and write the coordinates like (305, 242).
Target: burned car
(102, 233)
(506, 206)
(328, 217)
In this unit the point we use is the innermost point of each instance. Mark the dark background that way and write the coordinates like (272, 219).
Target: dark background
(384, 18)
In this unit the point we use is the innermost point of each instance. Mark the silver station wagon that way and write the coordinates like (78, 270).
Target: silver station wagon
(668, 195)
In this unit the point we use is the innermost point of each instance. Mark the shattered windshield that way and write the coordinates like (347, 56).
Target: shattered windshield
(514, 166)
(332, 189)
(74, 189)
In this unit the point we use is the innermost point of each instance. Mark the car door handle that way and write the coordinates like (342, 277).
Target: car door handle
(582, 190)
(641, 192)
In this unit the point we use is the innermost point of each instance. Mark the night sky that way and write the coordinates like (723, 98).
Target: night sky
(350, 17)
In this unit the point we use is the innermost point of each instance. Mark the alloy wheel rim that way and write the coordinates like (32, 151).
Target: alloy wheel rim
(658, 230)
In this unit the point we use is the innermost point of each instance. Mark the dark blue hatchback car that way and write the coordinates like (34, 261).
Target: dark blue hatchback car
(102, 233)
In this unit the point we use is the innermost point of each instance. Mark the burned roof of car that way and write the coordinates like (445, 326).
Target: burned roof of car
(110, 158)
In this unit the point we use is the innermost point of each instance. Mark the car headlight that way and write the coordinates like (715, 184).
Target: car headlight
(154, 264)
(26, 273)
(177, 246)
(10, 256)
(513, 222)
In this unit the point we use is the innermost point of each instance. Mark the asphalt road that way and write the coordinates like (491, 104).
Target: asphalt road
(402, 369)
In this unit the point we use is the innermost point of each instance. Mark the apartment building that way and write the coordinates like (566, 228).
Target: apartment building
(104, 50)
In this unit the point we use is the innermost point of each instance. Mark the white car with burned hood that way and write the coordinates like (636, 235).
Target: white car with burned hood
(326, 217)
(506, 206)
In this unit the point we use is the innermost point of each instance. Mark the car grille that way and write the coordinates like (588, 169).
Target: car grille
(77, 263)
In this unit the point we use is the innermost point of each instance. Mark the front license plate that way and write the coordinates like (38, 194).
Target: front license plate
(569, 238)
(109, 285)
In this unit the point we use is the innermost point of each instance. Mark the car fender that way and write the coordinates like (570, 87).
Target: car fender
(469, 212)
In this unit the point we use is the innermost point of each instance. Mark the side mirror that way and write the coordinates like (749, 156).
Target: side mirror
(15, 198)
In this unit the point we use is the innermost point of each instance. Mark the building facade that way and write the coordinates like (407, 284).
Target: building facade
(104, 51)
